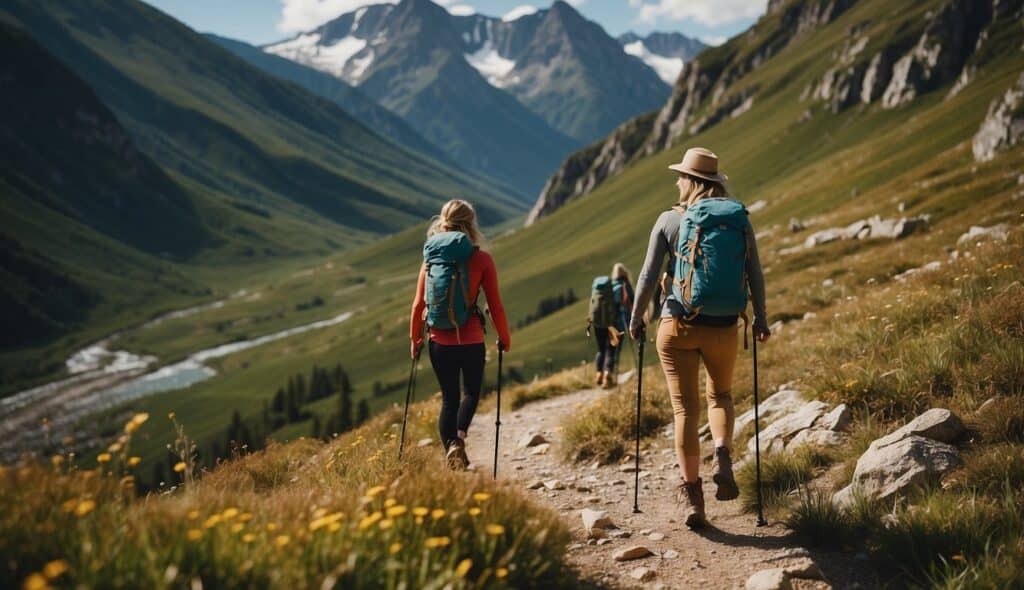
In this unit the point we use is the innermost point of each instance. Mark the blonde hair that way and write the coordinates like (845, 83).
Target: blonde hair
(620, 272)
(457, 215)
(695, 189)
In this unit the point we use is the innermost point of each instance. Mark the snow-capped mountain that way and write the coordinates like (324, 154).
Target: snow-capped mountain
(664, 52)
(533, 84)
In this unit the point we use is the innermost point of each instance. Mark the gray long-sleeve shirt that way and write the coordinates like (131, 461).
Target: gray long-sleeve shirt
(662, 244)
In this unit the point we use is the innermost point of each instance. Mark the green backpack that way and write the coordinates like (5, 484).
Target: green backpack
(603, 310)
(710, 258)
(446, 256)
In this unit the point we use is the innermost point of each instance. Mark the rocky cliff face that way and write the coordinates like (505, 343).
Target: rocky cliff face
(583, 171)
(1003, 127)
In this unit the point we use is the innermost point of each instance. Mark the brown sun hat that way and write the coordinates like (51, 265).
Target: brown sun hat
(701, 163)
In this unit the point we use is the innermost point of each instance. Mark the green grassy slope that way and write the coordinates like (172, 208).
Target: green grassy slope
(829, 171)
(226, 173)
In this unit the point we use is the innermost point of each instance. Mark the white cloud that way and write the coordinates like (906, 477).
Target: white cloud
(303, 15)
(707, 12)
(714, 41)
(519, 12)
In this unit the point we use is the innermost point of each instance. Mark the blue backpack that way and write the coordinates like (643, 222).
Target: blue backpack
(710, 258)
(446, 256)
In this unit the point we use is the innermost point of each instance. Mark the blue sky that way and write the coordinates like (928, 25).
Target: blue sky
(263, 21)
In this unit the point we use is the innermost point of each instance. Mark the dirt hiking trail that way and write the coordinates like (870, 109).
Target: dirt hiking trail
(723, 555)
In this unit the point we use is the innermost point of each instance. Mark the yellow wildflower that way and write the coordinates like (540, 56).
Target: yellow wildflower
(141, 417)
(282, 540)
(390, 502)
(114, 447)
(245, 517)
(394, 511)
(463, 568)
(394, 548)
(229, 513)
(133, 461)
(237, 527)
(212, 521)
(179, 467)
(474, 511)
(271, 527)
(319, 512)
(248, 538)
(192, 514)
(35, 582)
(437, 513)
(131, 427)
(421, 511)
(368, 521)
(501, 573)
(481, 496)
(334, 527)
(194, 534)
(495, 529)
(374, 491)
(435, 542)
(84, 507)
(103, 458)
(386, 524)
(55, 568)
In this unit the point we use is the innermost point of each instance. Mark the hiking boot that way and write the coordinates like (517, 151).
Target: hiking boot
(599, 380)
(690, 497)
(723, 477)
(456, 458)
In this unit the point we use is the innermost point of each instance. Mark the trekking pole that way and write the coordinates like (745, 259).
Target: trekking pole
(497, 415)
(757, 445)
(408, 397)
(639, 390)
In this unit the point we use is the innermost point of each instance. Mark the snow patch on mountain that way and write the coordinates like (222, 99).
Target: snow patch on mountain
(334, 58)
(519, 12)
(667, 68)
(490, 64)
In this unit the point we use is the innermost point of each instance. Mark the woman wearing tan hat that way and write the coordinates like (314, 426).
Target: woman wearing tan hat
(710, 271)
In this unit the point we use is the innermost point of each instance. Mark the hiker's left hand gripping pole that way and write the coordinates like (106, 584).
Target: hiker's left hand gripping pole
(409, 391)
(497, 413)
(639, 393)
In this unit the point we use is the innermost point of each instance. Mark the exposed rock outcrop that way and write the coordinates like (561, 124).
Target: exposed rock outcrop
(1003, 126)
(940, 53)
(873, 227)
(914, 455)
(584, 170)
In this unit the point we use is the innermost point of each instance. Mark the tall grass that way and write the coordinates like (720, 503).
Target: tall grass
(605, 430)
(560, 383)
(346, 514)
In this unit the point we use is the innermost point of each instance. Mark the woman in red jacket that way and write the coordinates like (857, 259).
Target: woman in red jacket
(460, 351)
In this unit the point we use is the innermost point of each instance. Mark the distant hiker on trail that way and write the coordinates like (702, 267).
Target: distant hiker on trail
(712, 261)
(611, 299)
(454, 269)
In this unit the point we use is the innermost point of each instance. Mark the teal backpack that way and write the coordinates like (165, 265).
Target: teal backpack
(603, 310)
(446, 256)
(710, 258)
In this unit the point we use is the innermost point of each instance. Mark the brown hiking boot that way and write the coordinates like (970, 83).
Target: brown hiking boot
(690, 497)
(599, 380)
(456, 458)
(723, 477)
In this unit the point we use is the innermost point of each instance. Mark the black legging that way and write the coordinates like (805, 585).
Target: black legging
(607, 355)
(448, 362)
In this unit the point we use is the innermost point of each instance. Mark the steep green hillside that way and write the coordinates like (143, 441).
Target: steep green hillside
(351, 99)
(828, 169)
(146, 169)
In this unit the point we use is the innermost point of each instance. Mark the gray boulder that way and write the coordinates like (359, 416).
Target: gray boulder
(978, 233)
(893, 469)
(816, 438)
(784, 428)
(838, 419)
(782, 402)
(937, 424)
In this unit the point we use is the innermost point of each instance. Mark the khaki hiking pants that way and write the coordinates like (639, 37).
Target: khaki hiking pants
(681, 348)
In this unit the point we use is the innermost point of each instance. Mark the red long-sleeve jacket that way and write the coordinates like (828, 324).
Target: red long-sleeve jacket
(482, 273)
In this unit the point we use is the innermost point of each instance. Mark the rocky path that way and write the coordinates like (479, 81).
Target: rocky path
(724, 555)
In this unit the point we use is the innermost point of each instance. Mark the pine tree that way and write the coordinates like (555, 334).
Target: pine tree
(315, 429)
(362, 412)
(344, 410)
(278, 404)
(300, 388)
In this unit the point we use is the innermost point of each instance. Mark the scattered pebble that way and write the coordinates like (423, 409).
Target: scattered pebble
(631, 553)
(643, 574)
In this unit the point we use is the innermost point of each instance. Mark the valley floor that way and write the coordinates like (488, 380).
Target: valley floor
(724, 555)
